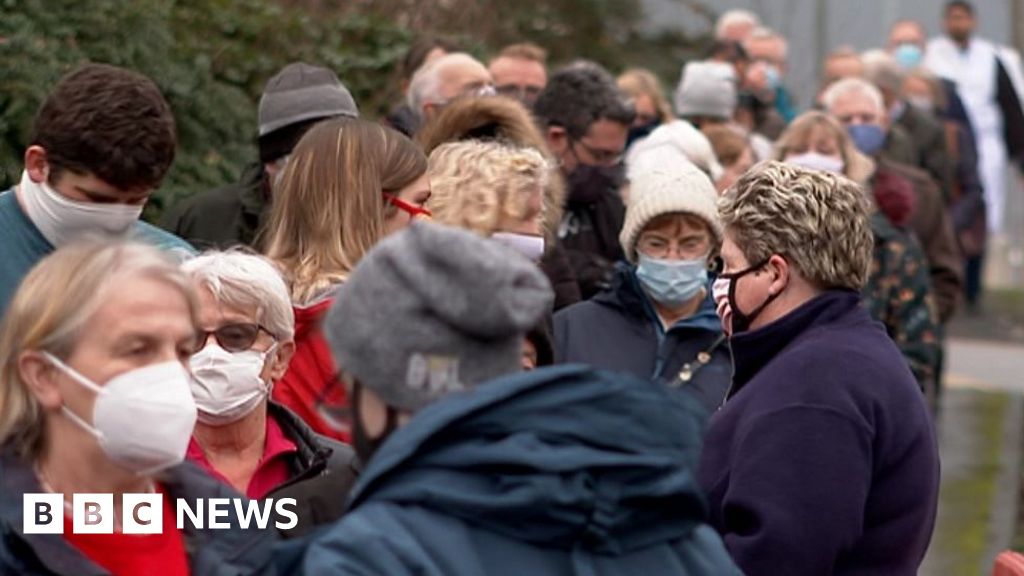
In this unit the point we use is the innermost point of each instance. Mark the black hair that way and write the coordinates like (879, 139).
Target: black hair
(579, 95)
(728, 51)
(961, 4)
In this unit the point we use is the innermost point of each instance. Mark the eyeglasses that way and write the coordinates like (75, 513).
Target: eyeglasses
(662, 248)
(231, 337)
(602, 157)
(519, 92)
(410, 209)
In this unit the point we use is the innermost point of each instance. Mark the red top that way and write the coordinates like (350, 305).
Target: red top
(311, 376)
(271, 472)
(133, 554)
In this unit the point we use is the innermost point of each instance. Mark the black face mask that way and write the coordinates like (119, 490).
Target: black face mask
(365, 446)
(588, 182)
(642, 131)
(740, 321)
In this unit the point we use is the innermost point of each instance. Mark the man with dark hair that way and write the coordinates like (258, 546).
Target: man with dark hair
(984, 81)
(586, 120)
(101, 143)
(293, 101)
(519, 72)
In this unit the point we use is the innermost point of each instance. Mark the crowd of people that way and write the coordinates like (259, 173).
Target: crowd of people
(528, 323)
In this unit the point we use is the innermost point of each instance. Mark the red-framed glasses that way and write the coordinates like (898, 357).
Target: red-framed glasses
(410, 209)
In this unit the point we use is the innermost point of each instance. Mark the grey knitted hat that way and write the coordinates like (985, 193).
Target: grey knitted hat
(707, 89)
(303, 92)
(431, 310)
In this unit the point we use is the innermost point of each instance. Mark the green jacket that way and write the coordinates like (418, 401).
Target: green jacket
(898, 294)
(222, 217)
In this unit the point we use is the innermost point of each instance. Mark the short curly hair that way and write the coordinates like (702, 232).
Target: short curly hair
(474, 183)
(817, 220)
(579, 95)
(110, 122)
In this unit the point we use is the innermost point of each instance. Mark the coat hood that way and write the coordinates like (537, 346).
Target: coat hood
(498, 118)
(567, 457)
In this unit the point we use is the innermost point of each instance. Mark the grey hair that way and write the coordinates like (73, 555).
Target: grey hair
(425, 86)
(733, 17)
(766, 33)
(882, 70)
(246, 282)
(848, 86)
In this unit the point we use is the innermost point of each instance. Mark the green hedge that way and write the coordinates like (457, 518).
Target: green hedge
(211, 58)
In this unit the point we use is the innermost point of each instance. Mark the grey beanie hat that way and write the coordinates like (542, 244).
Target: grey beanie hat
(431, 310)
(707, 89)
(303, 92)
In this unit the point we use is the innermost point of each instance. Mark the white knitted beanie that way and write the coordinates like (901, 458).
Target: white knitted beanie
(663, 181)
(686, 139)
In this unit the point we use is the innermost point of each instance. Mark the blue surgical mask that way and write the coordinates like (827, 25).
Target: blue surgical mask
(908, 56)
(773, 76)
(869, 138)
(672, 282)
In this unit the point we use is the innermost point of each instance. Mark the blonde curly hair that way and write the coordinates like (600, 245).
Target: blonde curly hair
(474, 183)
(817, 220)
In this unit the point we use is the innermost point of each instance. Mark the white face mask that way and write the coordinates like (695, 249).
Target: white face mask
(816, 161)
(227, 385)
(530, 246)
(142, 418)
(61, 219)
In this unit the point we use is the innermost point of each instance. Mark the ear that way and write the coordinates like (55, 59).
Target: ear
(41, 377)
(429, 111)
(558, 140)
(282, 358)
(780, 269)
(36, 164)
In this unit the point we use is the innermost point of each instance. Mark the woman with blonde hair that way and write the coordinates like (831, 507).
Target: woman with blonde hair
(348, 184)
(495, 190)
(506, 120)
(898, 292)
(95, 399)
(652, 107)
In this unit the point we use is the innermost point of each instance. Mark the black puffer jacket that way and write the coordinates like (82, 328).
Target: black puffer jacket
(323, 472)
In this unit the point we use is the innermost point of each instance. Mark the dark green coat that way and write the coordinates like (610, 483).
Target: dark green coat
(222, 217)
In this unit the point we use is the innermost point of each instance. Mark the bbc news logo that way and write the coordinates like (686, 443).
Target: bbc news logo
(144, 513)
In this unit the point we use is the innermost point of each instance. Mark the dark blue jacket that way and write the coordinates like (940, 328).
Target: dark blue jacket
(619, 330)
(823, 459)
(228, 552)
(560, 471)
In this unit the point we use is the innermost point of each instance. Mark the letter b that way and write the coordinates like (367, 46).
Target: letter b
(43, 513)
(93, 513)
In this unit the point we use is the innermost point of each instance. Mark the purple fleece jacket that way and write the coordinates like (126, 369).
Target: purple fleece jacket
(823, 460)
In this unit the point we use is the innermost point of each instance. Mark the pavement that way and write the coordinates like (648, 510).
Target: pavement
(980, 427)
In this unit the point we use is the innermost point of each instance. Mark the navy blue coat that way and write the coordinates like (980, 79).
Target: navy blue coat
(619, 330)
(561, 471)
(823, 460)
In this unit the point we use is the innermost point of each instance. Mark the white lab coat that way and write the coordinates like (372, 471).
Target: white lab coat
(974, 72)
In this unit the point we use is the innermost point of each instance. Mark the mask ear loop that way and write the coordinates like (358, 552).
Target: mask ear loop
(88, 384)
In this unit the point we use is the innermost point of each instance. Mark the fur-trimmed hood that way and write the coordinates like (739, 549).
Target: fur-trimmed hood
(498, 118)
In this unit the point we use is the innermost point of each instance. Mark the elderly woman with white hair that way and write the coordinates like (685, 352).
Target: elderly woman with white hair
(95, 399)
(245, 342)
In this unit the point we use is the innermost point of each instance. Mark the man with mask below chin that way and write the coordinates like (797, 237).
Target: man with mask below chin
(823, 459)
(586, 120)
(477, 469)
(258, 447)
(658, 321)
(101, 143)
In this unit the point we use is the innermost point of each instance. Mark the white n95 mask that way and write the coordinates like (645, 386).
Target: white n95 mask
(143, 418)
(227, 385)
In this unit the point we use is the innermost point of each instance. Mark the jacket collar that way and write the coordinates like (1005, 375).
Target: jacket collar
(751, 351)
(311, 458)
